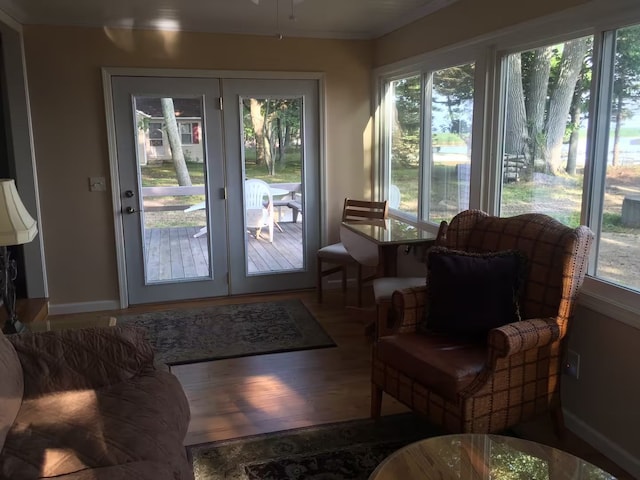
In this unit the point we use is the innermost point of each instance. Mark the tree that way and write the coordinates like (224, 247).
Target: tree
(573, 56)
(275, 123)
(175, 143)
(538, 69)
(257, 120)
(406, 121)
(515, 139)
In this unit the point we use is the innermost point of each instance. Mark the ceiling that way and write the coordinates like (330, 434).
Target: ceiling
(313, 18)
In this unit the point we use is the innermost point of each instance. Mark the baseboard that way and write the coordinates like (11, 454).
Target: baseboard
(603, 444)
(65, 308)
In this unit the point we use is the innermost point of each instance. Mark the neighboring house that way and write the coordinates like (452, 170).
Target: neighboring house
(153, 144)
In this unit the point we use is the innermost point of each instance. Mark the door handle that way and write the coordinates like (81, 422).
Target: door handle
(130, 210)
(129, 193)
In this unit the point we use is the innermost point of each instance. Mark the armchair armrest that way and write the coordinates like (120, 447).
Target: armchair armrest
(81, 359)
(407, 309)
(521, 336)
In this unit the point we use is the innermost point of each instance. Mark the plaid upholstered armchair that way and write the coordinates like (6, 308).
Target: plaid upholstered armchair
(446, 366)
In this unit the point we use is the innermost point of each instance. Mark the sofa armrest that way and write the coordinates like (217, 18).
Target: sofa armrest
(407, 309)
(81, 359)
(521, 336)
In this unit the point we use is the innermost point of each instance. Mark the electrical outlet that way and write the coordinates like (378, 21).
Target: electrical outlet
(572, 364)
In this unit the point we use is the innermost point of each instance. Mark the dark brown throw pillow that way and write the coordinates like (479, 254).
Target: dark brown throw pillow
(471, 293)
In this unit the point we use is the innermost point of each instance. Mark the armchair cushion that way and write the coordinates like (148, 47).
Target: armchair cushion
(444, 363)
(471, 293)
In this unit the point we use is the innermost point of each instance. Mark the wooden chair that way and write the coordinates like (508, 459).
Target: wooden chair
(353, 210)
(512, 373)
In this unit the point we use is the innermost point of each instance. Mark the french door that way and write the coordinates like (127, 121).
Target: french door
(186, 149)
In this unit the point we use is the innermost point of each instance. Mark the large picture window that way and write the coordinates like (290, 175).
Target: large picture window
(545, 157)
(557, 132)
(546, 98)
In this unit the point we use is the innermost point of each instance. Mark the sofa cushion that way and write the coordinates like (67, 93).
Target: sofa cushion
(143, 418)
(11, 387)
(471, 293)
(445, 364)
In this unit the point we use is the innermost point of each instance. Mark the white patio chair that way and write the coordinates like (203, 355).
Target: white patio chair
(258, 205)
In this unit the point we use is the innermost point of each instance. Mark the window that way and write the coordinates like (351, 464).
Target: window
(190, 133)
(546, 93)
(428, 149)
(451, 101)
(618, 232)
(155, 134)
(404, 113)
(557, 132)
(546, 117)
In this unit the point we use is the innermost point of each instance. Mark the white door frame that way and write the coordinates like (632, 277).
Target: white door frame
(109, 72)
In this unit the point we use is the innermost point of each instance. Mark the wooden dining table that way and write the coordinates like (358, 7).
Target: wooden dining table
(375, 243)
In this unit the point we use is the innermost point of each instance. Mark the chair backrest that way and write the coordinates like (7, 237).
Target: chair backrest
(394, 196)
(256, 194)
(364, 210)
(557, 256)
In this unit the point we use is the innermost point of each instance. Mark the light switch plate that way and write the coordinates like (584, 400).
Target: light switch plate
(97, 184)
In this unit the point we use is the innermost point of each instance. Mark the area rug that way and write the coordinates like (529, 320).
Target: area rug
(339, 451)
(226, 331)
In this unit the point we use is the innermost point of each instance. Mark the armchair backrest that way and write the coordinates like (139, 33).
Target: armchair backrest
(556, 255)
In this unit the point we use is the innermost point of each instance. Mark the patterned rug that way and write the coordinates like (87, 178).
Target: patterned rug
(226, 331)
(339, 451)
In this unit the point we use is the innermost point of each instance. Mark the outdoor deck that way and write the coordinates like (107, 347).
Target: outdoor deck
(174, 254)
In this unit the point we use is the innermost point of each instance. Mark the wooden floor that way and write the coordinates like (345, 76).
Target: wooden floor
(245, 396)
(174, 253)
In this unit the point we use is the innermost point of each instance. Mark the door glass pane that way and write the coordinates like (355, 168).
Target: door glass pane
(173, 210)
(403, 139)
(545, 124)
(273, 155)
(619, 239)
(451, 122)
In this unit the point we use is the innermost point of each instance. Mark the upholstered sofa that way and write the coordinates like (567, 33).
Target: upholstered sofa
(89, 404)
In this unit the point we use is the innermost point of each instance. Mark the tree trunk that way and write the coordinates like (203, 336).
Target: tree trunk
(574, 139)
(515, 116)
(537, 99)
(280, 141)
(175, 143)
(616, 132)
(257, 121)
(570, 66)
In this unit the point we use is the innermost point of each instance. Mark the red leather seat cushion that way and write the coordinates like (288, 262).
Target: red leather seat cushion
(444, 364)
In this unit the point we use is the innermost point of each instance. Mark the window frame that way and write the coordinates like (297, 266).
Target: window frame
(599, 19)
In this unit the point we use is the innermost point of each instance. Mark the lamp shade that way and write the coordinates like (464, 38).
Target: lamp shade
(16, 225)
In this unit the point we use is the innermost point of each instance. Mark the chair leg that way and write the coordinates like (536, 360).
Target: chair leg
(557, 417)
(376, 400)
(344, 284)
(359, 285)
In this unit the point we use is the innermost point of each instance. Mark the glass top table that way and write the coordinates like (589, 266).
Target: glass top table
(484, 457)
(390, 231)
(375, 242)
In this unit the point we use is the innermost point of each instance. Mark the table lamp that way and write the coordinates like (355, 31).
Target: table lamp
(16, 228)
